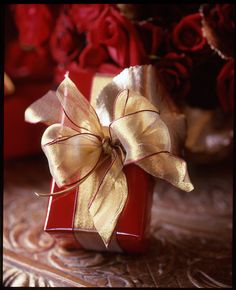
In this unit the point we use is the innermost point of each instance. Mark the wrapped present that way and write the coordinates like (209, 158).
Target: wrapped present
(103, 161)
(132, 230)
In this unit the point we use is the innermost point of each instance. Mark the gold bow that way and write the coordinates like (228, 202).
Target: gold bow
(82, 151)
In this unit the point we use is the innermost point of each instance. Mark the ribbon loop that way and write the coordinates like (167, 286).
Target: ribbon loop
(83, 152)
(71, 155)
(76, 108)
(142, 134)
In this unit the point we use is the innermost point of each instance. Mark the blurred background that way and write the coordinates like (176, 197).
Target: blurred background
(192, 49)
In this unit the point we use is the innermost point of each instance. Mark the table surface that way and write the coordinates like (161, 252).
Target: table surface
(190, 244)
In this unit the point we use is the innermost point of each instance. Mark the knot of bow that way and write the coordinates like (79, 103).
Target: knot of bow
(81, 151)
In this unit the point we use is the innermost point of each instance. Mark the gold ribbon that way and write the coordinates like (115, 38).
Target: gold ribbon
(82, 151)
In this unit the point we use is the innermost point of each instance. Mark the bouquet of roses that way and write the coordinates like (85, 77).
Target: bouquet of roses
(191, 47)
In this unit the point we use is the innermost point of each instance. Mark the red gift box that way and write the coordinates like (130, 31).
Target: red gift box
(132, 229)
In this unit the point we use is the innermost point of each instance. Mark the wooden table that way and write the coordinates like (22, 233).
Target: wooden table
(190, 244)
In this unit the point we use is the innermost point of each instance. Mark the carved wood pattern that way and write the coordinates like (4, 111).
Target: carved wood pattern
(190, 244)
(14, 277)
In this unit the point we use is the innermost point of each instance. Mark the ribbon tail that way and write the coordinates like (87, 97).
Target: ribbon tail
(166, 166)
(80, 181)
(109, 200)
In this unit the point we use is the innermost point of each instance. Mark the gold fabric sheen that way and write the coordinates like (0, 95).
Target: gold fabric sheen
(80, 151)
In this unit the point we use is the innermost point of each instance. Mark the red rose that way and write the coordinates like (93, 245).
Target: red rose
(84, 15)
(174, 70)
(34, 22)
(218, 27)
(119, 36)
(93, 56)
(203, 82)
(225, 86)
(66, 43)
(187, 34)
(151, 36)
(97, 58)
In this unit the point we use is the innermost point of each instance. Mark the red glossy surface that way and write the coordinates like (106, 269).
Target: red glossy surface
(59, 219)
(134, 220)
(61, 207)
(132, 227)
(83, 80)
